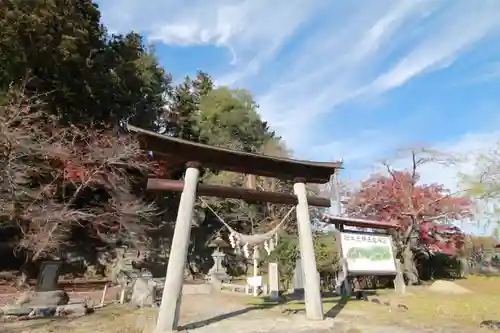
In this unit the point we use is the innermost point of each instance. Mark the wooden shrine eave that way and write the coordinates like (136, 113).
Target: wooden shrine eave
(169, 148)
(250, 195)
(358, 223)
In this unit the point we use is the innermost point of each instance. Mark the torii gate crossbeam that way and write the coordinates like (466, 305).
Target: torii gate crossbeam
(195, 156)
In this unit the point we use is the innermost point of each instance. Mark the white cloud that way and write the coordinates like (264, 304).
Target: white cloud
(350, 50)
(360, 150)
(410, 38)
(364, 153)
(459, 27)
(337, 52)
(335, 64)
(251, 30)
(468, 147)
(367, 152)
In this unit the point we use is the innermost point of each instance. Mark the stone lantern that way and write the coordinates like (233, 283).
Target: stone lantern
(218, 271)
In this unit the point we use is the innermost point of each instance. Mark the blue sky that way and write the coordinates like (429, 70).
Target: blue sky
(342, 79)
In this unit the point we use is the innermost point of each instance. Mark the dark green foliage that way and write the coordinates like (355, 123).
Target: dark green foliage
(182, 111)
(180, 120)
(285, 255)
(229, 118)
(60, 52)
(287, 252)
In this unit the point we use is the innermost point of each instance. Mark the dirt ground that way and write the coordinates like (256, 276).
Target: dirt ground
(427, 311)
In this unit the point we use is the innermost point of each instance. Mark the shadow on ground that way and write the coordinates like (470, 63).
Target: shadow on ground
(335, 310)
(33, 325)
(267, 304)
(327, 298)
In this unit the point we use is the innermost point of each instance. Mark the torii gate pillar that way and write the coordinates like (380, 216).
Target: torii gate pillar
(168, 316)
(314, 306)
(166, 148)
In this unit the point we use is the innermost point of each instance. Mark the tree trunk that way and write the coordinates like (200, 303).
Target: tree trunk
(464, 268)
(409, 268)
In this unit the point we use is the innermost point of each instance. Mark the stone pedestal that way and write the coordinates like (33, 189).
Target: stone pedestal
(218, 271)
(144, 292)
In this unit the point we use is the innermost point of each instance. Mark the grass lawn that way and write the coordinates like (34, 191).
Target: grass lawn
(434, 309)
(428, 311)
(425, 307)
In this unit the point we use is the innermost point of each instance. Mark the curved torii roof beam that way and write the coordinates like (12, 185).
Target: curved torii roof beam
(177, 152)
(166, 147)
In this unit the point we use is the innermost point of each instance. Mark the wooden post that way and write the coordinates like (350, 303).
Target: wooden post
(123, 294)
(168, 316)
(251, 182)
(337, 192)
(314, 306)
(345, 287)
(103, 297)
(342, 282)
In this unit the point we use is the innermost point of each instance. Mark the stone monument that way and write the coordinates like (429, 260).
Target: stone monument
(273, 281)
(49, 276)
(298, 278)
(218, 272)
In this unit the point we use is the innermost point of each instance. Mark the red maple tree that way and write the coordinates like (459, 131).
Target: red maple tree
(60, 177)
(421, 211)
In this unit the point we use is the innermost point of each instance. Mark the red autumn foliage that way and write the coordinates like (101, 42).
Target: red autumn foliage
(59, 177)
(447, 239)
(74, 172)
(399, 198)
(161, 168)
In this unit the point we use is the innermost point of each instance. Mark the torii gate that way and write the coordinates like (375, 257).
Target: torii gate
(196, 156)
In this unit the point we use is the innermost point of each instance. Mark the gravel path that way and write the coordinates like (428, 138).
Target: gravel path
(212, 314)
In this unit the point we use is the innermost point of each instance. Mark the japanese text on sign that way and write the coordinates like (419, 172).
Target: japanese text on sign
(366, 238)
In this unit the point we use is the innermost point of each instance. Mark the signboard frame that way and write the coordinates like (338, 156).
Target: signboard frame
(256, 281)
(362, 237)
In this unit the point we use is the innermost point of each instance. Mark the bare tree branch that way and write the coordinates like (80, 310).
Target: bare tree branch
(55, 178)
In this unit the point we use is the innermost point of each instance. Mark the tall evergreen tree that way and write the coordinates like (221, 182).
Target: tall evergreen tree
(60, 52)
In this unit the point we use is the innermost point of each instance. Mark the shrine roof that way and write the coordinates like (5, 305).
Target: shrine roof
(165, 148)
(358, 223)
